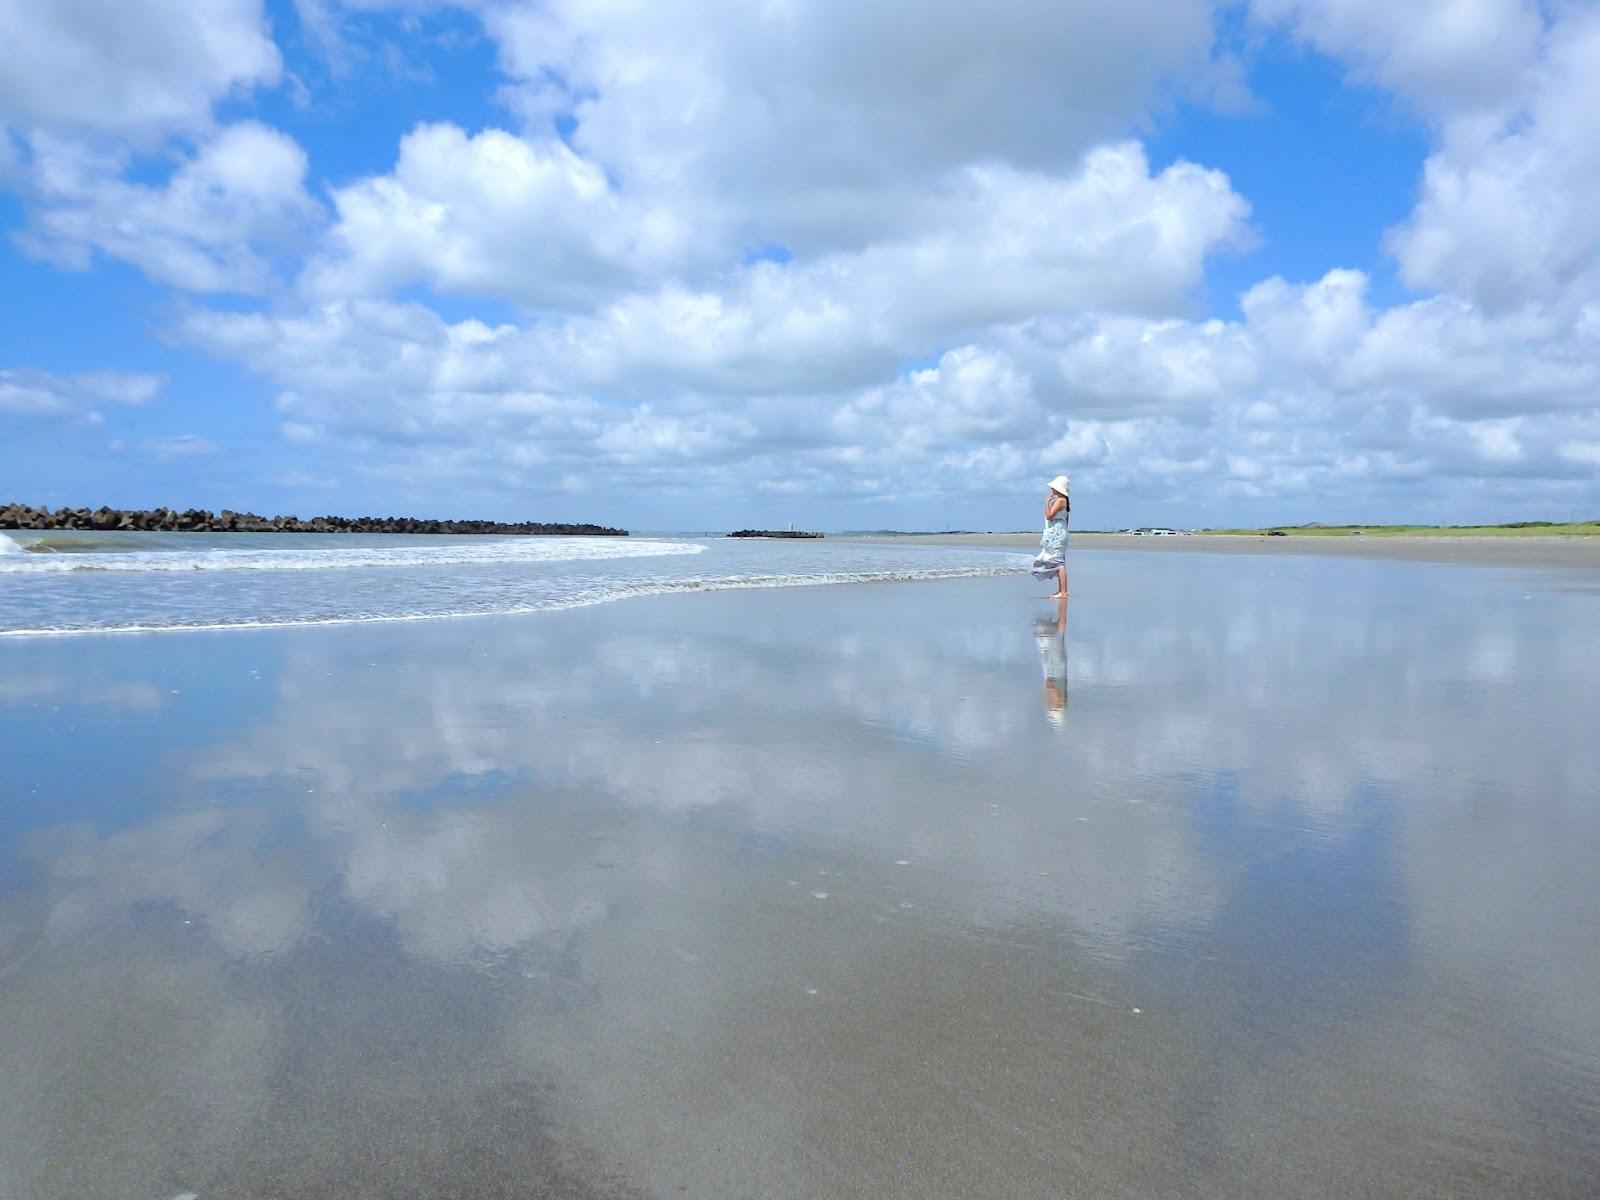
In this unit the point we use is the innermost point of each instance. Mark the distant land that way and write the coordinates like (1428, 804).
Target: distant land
(772, 533)
(1310, 529)
(200, 520)
(1511, 529)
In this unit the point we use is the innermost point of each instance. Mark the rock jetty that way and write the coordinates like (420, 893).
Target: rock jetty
(200, 520)
(772, 533)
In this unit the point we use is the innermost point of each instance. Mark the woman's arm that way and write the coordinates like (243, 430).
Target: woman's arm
(1054, 504)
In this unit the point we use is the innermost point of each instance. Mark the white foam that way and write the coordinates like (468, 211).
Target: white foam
(322, 558)
(602, 596)
(11, 543)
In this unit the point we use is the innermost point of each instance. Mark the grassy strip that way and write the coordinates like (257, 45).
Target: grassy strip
(1514, 529)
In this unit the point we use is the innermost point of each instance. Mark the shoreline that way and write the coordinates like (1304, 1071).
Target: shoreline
(1554, 550)
(504, 614)
(1533, 553)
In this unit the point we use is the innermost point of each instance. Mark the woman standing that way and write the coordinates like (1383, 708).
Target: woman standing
(1052, 557)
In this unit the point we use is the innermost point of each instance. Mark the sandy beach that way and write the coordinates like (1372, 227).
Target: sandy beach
(1551, 551)
(882, 890)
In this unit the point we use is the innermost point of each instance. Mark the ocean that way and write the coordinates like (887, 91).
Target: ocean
(82, 582)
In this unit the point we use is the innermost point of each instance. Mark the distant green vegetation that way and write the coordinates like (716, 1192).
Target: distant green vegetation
(1513, 529)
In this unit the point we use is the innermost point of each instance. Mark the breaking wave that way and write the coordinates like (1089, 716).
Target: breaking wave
(34, 554)
(580, 599)
(58, 583)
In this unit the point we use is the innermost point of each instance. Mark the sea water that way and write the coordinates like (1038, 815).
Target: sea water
(1250, 878)
(78, 582)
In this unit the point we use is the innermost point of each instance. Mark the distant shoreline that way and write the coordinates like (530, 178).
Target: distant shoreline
(1517, 529)
(1547, 551)
(1509, 529)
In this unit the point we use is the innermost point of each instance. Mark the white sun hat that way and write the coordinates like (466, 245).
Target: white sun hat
(1059, 484)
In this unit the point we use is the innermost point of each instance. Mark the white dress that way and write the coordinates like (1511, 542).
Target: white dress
(1052, 554)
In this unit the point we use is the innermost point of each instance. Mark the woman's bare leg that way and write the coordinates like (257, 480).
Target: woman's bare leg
(1061, 586)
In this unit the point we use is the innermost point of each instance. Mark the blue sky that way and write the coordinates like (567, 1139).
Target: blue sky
(855, 268)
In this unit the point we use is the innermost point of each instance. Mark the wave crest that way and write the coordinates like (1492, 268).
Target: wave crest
(45, 555)
(601, 595)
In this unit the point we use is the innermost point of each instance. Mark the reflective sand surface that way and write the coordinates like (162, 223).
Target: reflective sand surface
(1261, 878)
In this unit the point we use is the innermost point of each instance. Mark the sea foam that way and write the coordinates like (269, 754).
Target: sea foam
(81, 584)
(54, 556)
(580, 598)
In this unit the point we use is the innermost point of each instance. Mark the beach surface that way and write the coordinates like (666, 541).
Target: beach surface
(1544, 551)
(1259, 876)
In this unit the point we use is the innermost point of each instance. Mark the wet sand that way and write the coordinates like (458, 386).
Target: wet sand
(1283, 890)
(1553, 551)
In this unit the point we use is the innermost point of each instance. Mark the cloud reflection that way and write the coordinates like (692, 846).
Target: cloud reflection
(631, 839)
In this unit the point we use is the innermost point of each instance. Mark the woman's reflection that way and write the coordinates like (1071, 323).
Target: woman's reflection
(1051, 636)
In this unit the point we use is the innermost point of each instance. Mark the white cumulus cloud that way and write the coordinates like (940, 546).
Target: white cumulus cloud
(825, 125)
(493, 214)
(134, 69)
(213, 225)
(1507, 213)
(1446, 55)
(43, 394)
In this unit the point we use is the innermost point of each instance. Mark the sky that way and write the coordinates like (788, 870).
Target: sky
(723, 263)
